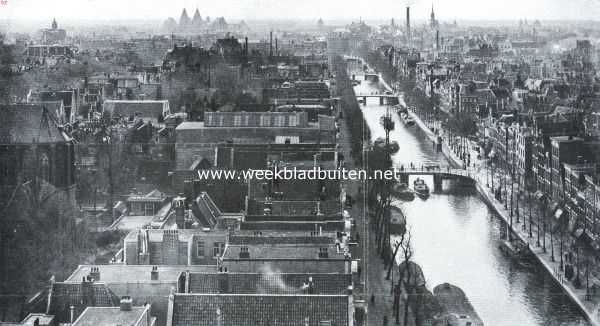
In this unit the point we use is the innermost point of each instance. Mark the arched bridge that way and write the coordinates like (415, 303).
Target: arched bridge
(439, 174)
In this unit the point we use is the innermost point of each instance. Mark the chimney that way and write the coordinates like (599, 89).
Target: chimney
(323, 253)
(219, 317)
(126, 303)
(271, 44)
(276, 47)
(246, 45)
(179, 204)
(95, 273)
(244, 253)
(223, 282)
(154, 273)
(437, 40)
(408, 24)
(72, 313)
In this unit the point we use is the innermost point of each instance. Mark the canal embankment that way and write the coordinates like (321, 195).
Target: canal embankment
(589, 308)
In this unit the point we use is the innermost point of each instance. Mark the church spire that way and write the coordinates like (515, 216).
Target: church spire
(54, 24)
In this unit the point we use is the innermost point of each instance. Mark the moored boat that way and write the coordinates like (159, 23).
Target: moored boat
(421, 187)
(403, 192)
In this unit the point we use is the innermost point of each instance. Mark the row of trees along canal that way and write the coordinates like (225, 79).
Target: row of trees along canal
(458, 125)
(418, 302)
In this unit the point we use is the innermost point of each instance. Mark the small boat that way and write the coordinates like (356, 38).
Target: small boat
(514, 248)
(400, 108)
(402, 191)
(408, 120)
(420, 187)
(392, 148)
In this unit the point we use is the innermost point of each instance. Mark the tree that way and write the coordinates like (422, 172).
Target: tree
(6, 74)
(407, 254)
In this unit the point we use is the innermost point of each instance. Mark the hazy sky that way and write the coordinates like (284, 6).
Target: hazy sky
(305, 9)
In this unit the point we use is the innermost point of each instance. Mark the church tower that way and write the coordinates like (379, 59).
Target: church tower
(433, 22)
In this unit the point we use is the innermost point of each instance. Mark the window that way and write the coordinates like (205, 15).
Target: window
(237, 120)
(149, 209)
(200, 249)
(280, 121)
(293, 122)
(218, 248)
(265, 120)
(45, 167)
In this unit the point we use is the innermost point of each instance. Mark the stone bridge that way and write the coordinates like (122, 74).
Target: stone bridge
(439, 174)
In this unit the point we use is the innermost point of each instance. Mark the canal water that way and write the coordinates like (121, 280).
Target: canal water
(456, 238)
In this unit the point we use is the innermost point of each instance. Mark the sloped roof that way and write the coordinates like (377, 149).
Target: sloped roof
(63, 295)
(29, 123)
(66, 97)
(126, 108)
(271, 283)
(205, 210)
(241, 309)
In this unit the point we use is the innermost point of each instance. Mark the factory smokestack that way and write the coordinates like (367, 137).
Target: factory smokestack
(437, 40)
(408, 25)
(271, 44)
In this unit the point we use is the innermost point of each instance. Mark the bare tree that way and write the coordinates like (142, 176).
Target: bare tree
(407, 254)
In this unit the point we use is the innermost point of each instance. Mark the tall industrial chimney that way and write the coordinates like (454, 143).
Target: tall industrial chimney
(437, 39)
(408, 25)
(271, 44)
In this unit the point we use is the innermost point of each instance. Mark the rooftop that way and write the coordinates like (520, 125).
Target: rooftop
(109, 316)
(283, 251)
(271, 283)
(252, 309)
(120, 273)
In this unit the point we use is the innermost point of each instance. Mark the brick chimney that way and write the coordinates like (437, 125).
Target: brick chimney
(223, 281)
(323, 253)
(95, 273)
(179, 205)
(126, 303)
(244, 253)
(154, 273)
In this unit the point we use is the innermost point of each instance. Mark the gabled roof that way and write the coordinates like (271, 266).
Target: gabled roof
(241, 309)
(29, 123)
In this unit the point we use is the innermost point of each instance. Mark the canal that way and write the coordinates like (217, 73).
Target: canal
(456, 237)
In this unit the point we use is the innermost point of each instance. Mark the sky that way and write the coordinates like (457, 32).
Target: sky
(73, 10)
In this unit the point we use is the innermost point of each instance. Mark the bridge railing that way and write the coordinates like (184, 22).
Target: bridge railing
(439, 170)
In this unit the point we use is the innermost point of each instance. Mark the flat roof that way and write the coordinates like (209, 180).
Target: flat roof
(283, 251)
(121, 273)
(108, 316)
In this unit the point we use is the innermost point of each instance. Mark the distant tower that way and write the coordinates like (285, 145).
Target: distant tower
(197, 20)
(408, 25)
(392, 23)
(54, 24)
(184, 20)
(432, 21)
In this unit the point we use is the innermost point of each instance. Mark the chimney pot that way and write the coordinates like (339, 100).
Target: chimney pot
(154, 273)
(126, 303)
